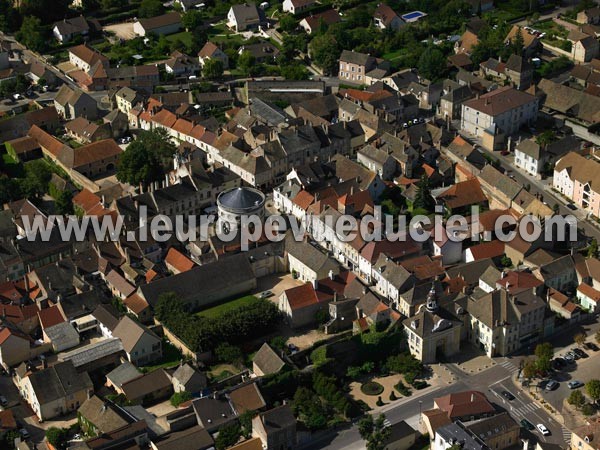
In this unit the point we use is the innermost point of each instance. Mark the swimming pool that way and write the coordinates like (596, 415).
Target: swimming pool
(413, 16)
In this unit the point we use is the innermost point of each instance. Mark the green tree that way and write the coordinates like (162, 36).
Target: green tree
(37, 178)
(31, 34)
(423, 198)
(228, 435)
(246, 63)
(246, 422)
(579, 339)
(192, 20)
(150, 8)
(145, 159)
(592, 388)
(518, 42)
(213, 68)
(576, 399)
(544, 354)
(294, 71)
(545, 138)
(288, 23)
(506, 261)
(309, 409)
(47, 10)
(529, 370)
(230, 354)
(64, 203)
(592, 250)
(432, 64)
(180, 397)
(58, 437)
(278, 343)
(374, 432)
(325, 51)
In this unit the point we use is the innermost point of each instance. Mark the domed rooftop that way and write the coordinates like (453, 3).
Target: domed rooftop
(241, 198)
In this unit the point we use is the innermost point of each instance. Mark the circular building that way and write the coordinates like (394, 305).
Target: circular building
(237, 202)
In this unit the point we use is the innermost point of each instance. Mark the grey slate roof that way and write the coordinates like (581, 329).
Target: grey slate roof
(208, 278)
(123, 373)
(130, 332)
(361, 59)
(58, 381)
(92, 352)
(241, 198)
(309, 255)
(107, 315)
(267, 360)
(102, 414)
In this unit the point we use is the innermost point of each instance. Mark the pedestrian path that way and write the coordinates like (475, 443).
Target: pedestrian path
(508, 365)
(525, 409)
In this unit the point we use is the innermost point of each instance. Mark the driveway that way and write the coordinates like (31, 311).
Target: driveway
(276, 283)
(121, 30)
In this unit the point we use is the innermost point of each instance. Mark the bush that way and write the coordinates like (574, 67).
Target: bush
(402, 389)
(319, 355)
(393, 396)
(588, 409)
(379, 401)
(420, 384)
(180, 397)
(371, 388)
(58, 437)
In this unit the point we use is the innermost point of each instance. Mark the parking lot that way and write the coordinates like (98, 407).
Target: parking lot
(583, 370)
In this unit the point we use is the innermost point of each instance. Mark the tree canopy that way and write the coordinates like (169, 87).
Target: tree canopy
(146, 157)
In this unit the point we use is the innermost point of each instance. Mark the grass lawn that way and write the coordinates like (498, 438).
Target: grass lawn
(171, 357)
(220, 34)
(218, 310)
(393, 55)
(184, 36)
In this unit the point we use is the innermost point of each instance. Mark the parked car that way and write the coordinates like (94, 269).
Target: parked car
(571, 206)
(266, 294)
(575, 384)
(591, 346)
(551, 385)
(543, 429)
(504, 152)
(575, 356)
(569, 357)
(508, 396)
(580, 353)
(558, 363)
(3, 400)
(24, 433)
(527, 424)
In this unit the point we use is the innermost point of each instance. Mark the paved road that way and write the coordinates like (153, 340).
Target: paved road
(539, 187)
(492, 382)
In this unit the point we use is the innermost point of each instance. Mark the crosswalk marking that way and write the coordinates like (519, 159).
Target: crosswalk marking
(525, 409)
(566, 435)
(509, 366)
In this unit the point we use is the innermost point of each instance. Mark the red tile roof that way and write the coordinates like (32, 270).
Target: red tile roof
(515, 282)
(491, 249)
(464, 193)
(136, 303)
(466, 403)
(51, 316)
(589, 292)
(301, 296)
(303, 199)
(178, 260)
